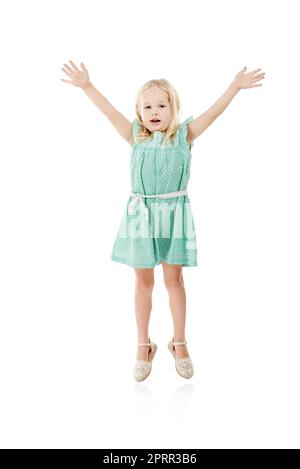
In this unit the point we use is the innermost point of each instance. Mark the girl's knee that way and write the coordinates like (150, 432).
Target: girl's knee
(174, 283)
(144, 286)
(144, 279)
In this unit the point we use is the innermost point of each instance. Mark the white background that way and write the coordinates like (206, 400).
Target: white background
(68, 333)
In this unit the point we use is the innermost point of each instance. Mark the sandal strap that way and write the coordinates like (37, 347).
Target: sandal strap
(180, 343)
(144, 343)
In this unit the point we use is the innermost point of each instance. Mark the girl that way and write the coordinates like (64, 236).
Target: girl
(160, 169)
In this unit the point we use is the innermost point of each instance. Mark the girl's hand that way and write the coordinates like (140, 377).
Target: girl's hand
(247, 80)
(77, 77)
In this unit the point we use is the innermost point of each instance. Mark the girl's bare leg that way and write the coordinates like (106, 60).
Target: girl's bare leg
(173, 280)
(144, 283)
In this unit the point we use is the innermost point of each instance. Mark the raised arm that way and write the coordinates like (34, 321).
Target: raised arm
(242, 80)
(81, 79)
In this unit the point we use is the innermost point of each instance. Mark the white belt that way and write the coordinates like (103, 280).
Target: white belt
(139, 197)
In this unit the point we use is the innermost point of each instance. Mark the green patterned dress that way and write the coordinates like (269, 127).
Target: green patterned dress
(167, 234)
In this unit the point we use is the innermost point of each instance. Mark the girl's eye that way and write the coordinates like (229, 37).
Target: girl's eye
(162, 105)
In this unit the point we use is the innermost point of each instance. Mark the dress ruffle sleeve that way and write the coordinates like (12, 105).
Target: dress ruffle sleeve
(183, 131)
(135, 127)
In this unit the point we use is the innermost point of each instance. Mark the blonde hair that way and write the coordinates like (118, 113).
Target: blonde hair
(175, 104)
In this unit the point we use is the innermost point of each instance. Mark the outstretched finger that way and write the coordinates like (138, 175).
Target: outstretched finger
(83, 67)
(72, 63)
(68, 68)
(255, 71)
(66, 72)
(66, 81)
(254, 80)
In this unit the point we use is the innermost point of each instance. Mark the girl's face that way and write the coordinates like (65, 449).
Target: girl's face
(155, 105)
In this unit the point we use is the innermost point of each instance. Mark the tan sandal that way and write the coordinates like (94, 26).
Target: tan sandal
(184, 366)
(143, 368)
